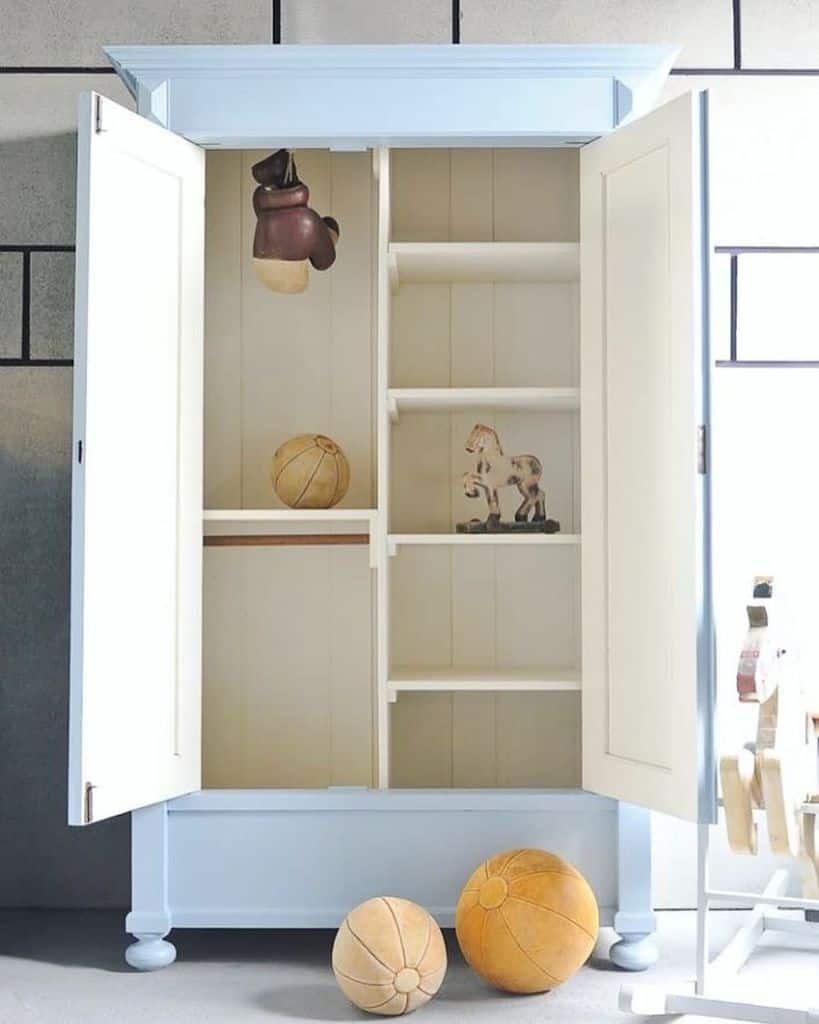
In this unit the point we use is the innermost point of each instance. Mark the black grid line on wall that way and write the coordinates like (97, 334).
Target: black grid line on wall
(54, 69)
(736, 17)
(737, 68)
(25, 357)
(735, 253)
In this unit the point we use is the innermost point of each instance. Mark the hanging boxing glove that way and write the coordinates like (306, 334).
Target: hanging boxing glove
(288, 231)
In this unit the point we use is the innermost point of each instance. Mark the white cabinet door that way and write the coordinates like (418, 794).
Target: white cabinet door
(647, 667)
(137, 475)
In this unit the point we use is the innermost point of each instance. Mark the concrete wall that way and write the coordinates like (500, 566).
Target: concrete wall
(50, 51)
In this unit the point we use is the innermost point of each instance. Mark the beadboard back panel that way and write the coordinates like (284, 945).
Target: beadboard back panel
(281, 365)
(288, 668)
(487, 608)
(288, 643)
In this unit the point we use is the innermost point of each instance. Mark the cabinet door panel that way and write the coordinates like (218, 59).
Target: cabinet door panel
(137, 474)
(646, 673)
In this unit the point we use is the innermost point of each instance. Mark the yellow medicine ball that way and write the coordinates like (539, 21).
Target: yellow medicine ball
(526, 921)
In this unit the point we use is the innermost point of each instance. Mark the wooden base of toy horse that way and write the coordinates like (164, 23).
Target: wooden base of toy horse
(490, 526)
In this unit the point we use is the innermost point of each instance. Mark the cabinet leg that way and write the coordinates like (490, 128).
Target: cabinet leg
(150, 953)
(634, 921)
(634, 951)
(149, 920)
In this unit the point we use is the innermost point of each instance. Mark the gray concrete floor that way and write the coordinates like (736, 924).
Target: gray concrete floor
(66, 967)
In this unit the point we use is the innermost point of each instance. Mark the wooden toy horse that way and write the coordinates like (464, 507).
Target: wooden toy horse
(778, 772)
(495, 470)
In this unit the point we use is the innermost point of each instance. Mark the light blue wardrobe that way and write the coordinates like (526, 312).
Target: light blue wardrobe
(372, 703)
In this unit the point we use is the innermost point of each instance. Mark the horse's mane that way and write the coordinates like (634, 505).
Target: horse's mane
(484, 431)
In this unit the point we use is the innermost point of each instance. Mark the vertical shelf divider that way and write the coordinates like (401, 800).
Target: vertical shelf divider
(381, 167)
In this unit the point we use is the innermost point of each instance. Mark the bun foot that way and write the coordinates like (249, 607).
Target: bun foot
(150, 953)
(634, 952)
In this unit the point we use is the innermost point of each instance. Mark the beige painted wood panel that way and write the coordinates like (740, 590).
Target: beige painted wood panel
(288, 649)
(421, 741)
(516, 607)
(481, 335)
(223, 323)
(536, 196)
(307, 359)
(474, 721)
(420, 354)
(485, 741)
(288, 669)
(468, 607)
(289, 699)
(484, 195)
(281, 365)
(223, 750)
(420, 195)
(479, 608)
(538, 740)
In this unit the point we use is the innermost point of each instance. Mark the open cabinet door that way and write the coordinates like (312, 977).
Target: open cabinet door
(647, 659)
(137, 466)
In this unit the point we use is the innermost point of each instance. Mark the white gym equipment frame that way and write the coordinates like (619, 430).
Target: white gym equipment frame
(712, 995)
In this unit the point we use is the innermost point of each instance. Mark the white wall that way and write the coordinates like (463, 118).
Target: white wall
(765, 159)
(766, 489)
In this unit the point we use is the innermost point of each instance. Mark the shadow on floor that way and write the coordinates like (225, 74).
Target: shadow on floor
(66, 938)
(96, 940)
(309, 1002)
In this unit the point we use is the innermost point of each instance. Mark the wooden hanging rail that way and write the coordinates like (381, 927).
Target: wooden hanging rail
(249, 540)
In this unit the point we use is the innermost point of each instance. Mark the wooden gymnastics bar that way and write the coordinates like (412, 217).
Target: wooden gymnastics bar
(283, 539)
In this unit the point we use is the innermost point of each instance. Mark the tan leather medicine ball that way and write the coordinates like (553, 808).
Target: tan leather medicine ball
(389, 956)
(310, 471)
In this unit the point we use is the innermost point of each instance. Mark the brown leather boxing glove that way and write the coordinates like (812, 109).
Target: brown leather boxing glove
(286, 227)
(277, 170)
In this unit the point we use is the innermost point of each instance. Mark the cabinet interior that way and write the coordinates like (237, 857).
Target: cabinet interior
(482, 639)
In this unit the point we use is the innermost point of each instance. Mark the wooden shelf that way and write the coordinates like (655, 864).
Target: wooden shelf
(496, 680)
(546, 539)
(300, 525)
(483, 262)
(496, 399)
